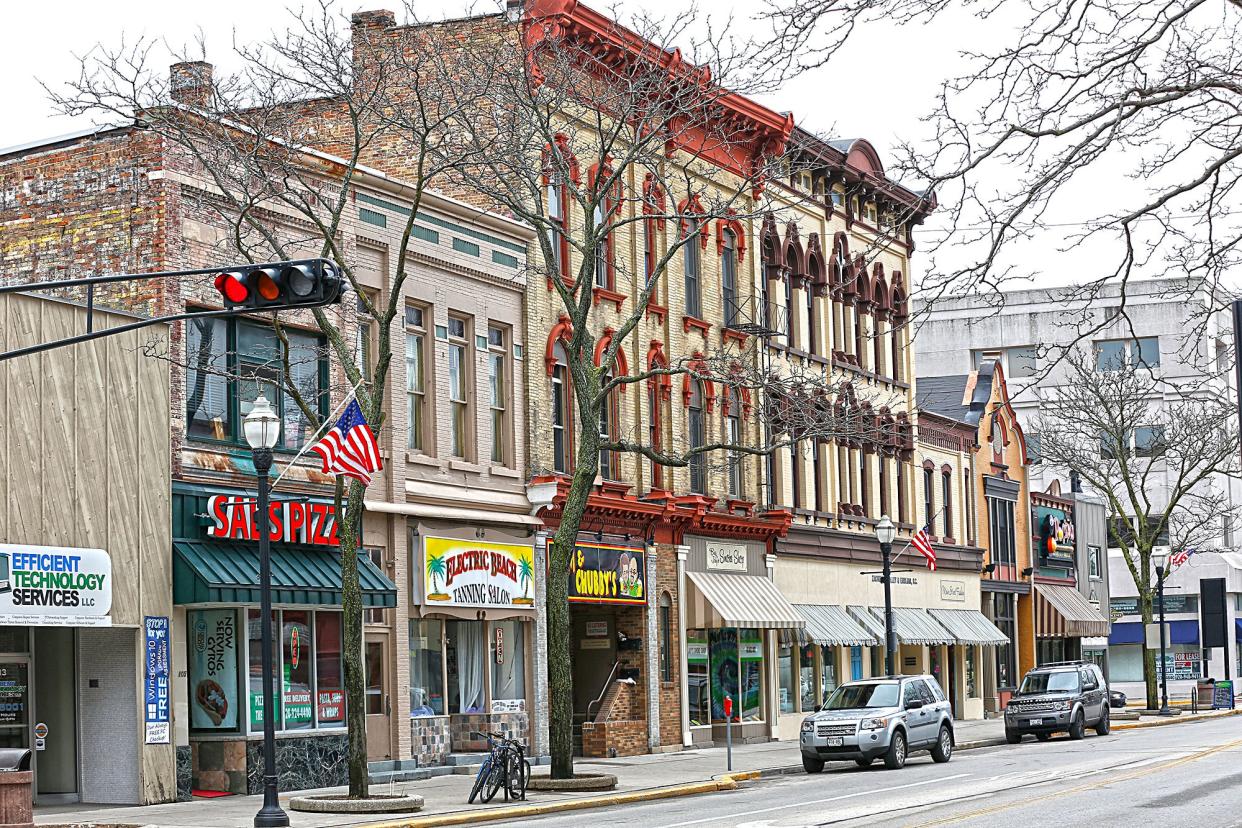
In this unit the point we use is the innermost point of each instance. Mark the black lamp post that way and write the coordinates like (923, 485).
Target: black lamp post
(885, 532)
(1160, 559)
(262, 429)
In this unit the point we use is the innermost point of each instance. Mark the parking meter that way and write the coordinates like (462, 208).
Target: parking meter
(728, 711)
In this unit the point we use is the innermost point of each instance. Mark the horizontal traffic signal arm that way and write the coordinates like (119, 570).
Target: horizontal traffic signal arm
(247, 288)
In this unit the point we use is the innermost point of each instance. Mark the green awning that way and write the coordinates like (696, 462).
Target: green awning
(228, 573)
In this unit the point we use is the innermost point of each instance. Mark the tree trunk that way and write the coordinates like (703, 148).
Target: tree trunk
(560, 664)
(1149, 656)
(351, 622)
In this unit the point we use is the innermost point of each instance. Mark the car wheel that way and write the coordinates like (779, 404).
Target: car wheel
(1043, 737)
(1104, 727)
(942, 751)
(1078, 727)
(863, 763)
(1013, 737)
(812, 765)
(895, 759)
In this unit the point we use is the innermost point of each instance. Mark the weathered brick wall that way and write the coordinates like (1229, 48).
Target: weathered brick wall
(670, 691)
(614, 738)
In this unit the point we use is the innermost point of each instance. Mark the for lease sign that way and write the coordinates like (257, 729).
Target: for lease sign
(55, 586)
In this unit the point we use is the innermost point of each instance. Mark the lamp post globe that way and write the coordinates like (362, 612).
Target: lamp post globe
(262, 429)
(886, 533)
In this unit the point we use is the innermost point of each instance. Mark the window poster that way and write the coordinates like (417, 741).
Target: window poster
(213, 669)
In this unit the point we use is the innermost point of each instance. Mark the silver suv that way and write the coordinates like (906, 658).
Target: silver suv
(1065, 696)
(879, 717)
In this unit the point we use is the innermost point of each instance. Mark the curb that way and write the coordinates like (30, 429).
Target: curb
(1172, 720)
(725, 782)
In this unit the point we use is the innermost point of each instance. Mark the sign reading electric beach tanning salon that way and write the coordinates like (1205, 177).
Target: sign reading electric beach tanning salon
(233, 517)
(462, 573)
(55, 586)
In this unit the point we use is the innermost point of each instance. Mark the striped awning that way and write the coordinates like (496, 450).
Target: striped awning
(721, 599)
(829, 625)
(869, 621)
(969, 626)
(912, 625)
(1064, 612)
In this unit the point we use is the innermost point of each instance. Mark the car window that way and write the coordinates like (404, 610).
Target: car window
(1060, 681)
(934, 693)
(855, 696)
(911, 692)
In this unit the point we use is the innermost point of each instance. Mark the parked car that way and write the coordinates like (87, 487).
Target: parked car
(878, 718)
(1116, 699)
(1065, 696)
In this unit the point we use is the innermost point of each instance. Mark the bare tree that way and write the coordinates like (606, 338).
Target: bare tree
(1110, 126)
(1155, 453)
(255, 141)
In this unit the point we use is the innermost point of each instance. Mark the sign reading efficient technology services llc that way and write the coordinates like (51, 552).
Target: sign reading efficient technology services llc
(55, 586)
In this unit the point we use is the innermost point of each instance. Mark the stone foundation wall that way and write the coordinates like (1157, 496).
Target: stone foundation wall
(466, 727)
(431, 740)
(236, 765)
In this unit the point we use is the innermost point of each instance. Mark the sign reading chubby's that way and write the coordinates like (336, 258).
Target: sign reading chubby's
(55, 586)
(463, 573)
(602, 574)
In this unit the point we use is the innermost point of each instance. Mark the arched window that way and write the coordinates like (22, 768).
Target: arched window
(998, 439)
(655, 432)
(666, 637)
(844, 476)
(690, 264)
(896, 331)
(884, 486)
(812, 336)
(603, 250)
(790, 312)
(728, 275)
(609, 461)
(562, 413)
(558, 213)
(859, 334)
(795, 467)
(841, 266)
(929, 494)
(817, 468)
(649, 249)
(877, 343)
(946, 485)
(733, 436)
(698, 437)
(864, 485)
(901, 491)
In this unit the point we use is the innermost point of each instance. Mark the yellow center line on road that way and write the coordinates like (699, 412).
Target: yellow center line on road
(1146, 770)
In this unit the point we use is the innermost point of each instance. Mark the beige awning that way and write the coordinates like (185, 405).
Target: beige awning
(969, 626)
(720, 599)
(1064, 612)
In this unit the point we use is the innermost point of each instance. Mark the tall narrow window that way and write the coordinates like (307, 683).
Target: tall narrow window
(817, 468)
(649, 250)
(929, 494)
(498, 387)
(790, 314)
(459, 384)
(562, 410)
(655, 432)
(946, 484)
(666, 638)
(558, 240)
(364, 344)
(603, 250)
(896, 332)
(864, 484)
(415, 379)
(884, 486)
(877, 344)
(812, 332)
(969, 515)
(609, 461)
(859, 335)
(844, 493)
(690, 264)
(733, 436)
(901, 491)
(728, 276)
(698, 462)
(795, 467)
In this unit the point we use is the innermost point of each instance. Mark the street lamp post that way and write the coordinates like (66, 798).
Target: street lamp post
(1161, 559)
(262, 429)
(885, 532)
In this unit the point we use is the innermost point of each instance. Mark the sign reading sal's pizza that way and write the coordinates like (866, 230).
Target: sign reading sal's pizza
(233, 516)
(55, 586)
(462, 573)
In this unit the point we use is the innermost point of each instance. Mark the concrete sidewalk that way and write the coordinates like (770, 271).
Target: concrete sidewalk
(667, 774)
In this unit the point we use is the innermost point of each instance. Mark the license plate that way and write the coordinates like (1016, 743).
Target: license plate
(1035, 722)
(835, 741)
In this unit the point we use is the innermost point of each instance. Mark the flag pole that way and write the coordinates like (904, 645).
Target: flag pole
(911, 541)
(327, 421)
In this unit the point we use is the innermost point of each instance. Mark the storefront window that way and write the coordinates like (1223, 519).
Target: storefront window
(509, 660)
(972, 687)
(466, 651)
(329, 672)
(786, 668)
(698, 683)
(828, 672)
(295, 639)
(214, 650)
(1006, 671)
(426, 668)
(806, 677)
(736, 671)
(254, 633)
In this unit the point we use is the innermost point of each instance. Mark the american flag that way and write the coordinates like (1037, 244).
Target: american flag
(1181, 556)
(922, 542)
(350, 448)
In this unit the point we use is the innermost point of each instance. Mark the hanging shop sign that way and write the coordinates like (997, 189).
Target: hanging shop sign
(1056, 535)
(463, 573)
(233, 517)
(213, 669)
(55, 586)
(726, 557)
(156, 687)
(602, 574)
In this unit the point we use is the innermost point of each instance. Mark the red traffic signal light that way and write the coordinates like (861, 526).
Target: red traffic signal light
(307, 283)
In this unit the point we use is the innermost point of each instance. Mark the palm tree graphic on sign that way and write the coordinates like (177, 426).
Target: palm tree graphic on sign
(435, 571)
(526, 572)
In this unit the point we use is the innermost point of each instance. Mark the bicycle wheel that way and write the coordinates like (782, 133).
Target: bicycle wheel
(519, 776)
(495, 778)
(485, 771)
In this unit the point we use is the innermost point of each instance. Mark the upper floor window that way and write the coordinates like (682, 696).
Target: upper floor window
(562, 413)
(649, 250)
(1116, 354)
(609, 414)
(929, 506)
(946, 484)
(498, 391)
(558, 212)
(698, 437)
(364, 346)
(459, 384)
(690, 264)
(655, 432)
(1018, 363)
(416, 378)
(603, 251)
(230, 361)
(728, 276)
(733, 436)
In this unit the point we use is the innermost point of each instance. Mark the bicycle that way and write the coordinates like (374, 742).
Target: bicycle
(505, 765)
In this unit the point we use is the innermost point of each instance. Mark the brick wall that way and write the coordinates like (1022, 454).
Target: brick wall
(670, 691)
(614, 738)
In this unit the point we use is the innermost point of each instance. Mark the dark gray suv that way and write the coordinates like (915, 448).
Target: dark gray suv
(1066, 696)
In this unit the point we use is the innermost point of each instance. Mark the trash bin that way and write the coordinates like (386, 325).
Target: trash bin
(16, 800)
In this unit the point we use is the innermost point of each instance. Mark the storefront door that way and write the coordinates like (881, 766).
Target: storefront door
(595, 653)
(379, 701)
(55, 708)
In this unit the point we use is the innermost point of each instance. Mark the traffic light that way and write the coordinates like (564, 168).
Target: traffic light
(308, 283)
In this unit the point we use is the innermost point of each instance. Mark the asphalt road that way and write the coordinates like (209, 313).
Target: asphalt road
(1181, 775)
